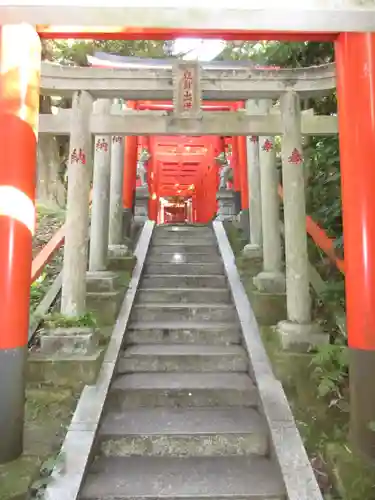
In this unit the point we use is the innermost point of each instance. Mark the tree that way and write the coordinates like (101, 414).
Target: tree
(52, 152)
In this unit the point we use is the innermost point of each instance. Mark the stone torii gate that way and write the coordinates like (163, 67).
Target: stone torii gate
(349, 24)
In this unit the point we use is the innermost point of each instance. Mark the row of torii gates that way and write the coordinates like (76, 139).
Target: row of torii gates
(349, 26)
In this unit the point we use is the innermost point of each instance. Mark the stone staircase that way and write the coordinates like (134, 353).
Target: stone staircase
(181, 420)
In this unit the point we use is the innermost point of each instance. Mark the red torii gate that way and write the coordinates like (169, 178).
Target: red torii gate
(20, 56)
(238, 145)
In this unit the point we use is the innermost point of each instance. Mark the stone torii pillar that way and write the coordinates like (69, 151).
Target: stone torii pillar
(271, 279)
(254, 248)
(298, 330)
(116, 187)
(73, 296)
(100, 200)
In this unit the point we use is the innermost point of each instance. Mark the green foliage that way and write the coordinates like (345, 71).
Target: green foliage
(76, 53)
(330, 371)
(324, 188)
(57, 320)
(37, 290)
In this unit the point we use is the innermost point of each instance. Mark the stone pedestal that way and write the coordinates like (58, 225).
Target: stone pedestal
(300, 337)
(103, 296)
(141, 204)
(226, 208)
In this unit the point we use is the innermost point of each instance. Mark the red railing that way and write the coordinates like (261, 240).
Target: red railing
(48, 251)
(321, 239)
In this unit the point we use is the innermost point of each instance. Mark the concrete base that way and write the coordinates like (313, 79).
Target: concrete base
(74, 371)
(362, 403)
(69, 341)
(102, 281)
(12, 397)
(270, 282)
(251, 251)
(104, 305)
(298, 337)
(118, 251)
(122, 263)
(269, 308)
(226, 209)
(141, 203)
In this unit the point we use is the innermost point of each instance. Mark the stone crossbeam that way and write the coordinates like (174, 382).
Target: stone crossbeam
(210, 123)
(269, 15)
(217, 84)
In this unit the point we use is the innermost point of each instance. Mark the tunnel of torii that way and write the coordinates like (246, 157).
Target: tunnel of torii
(106, 121)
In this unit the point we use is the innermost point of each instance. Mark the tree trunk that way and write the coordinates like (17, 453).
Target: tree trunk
(50, 189)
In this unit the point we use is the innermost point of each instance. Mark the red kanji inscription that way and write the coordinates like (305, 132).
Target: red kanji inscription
(267, 146)
(101, 144)
(78, 157)
(187, 97)
(253, 138)
(296, 157)
(82, 157)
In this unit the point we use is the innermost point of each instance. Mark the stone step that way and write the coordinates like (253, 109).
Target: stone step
(182, 390)
(182, 226)
(192, 269)
(203, 244)
(184, 295)
(184, 433)
(183, 231)
(184, 248)
(183, 240)
(183, 281)
(182, 257)
(192, 478)
(183, 358)
(184, 312)
(213, 333)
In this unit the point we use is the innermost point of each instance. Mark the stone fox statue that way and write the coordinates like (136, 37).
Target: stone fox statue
(224, 175)
(142, 173)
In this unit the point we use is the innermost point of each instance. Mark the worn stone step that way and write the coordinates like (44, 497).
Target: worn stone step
(209, 240)
(184, 295)
(168, 332)
(183, 358)
(192, 269)
(185, 248)
(192, 478)
(182, 257)
(183, 226)
(204, 245)
(184, 390)
(183, 281)
(184, 312)
(183, 231)
(184, 433)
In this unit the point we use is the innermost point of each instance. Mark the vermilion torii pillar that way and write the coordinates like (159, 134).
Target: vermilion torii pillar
(236, 174)
(20, 59)
(130, 174)
(355, 59)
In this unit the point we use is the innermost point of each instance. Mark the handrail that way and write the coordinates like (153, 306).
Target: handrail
(321, 239)
(48, 251)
